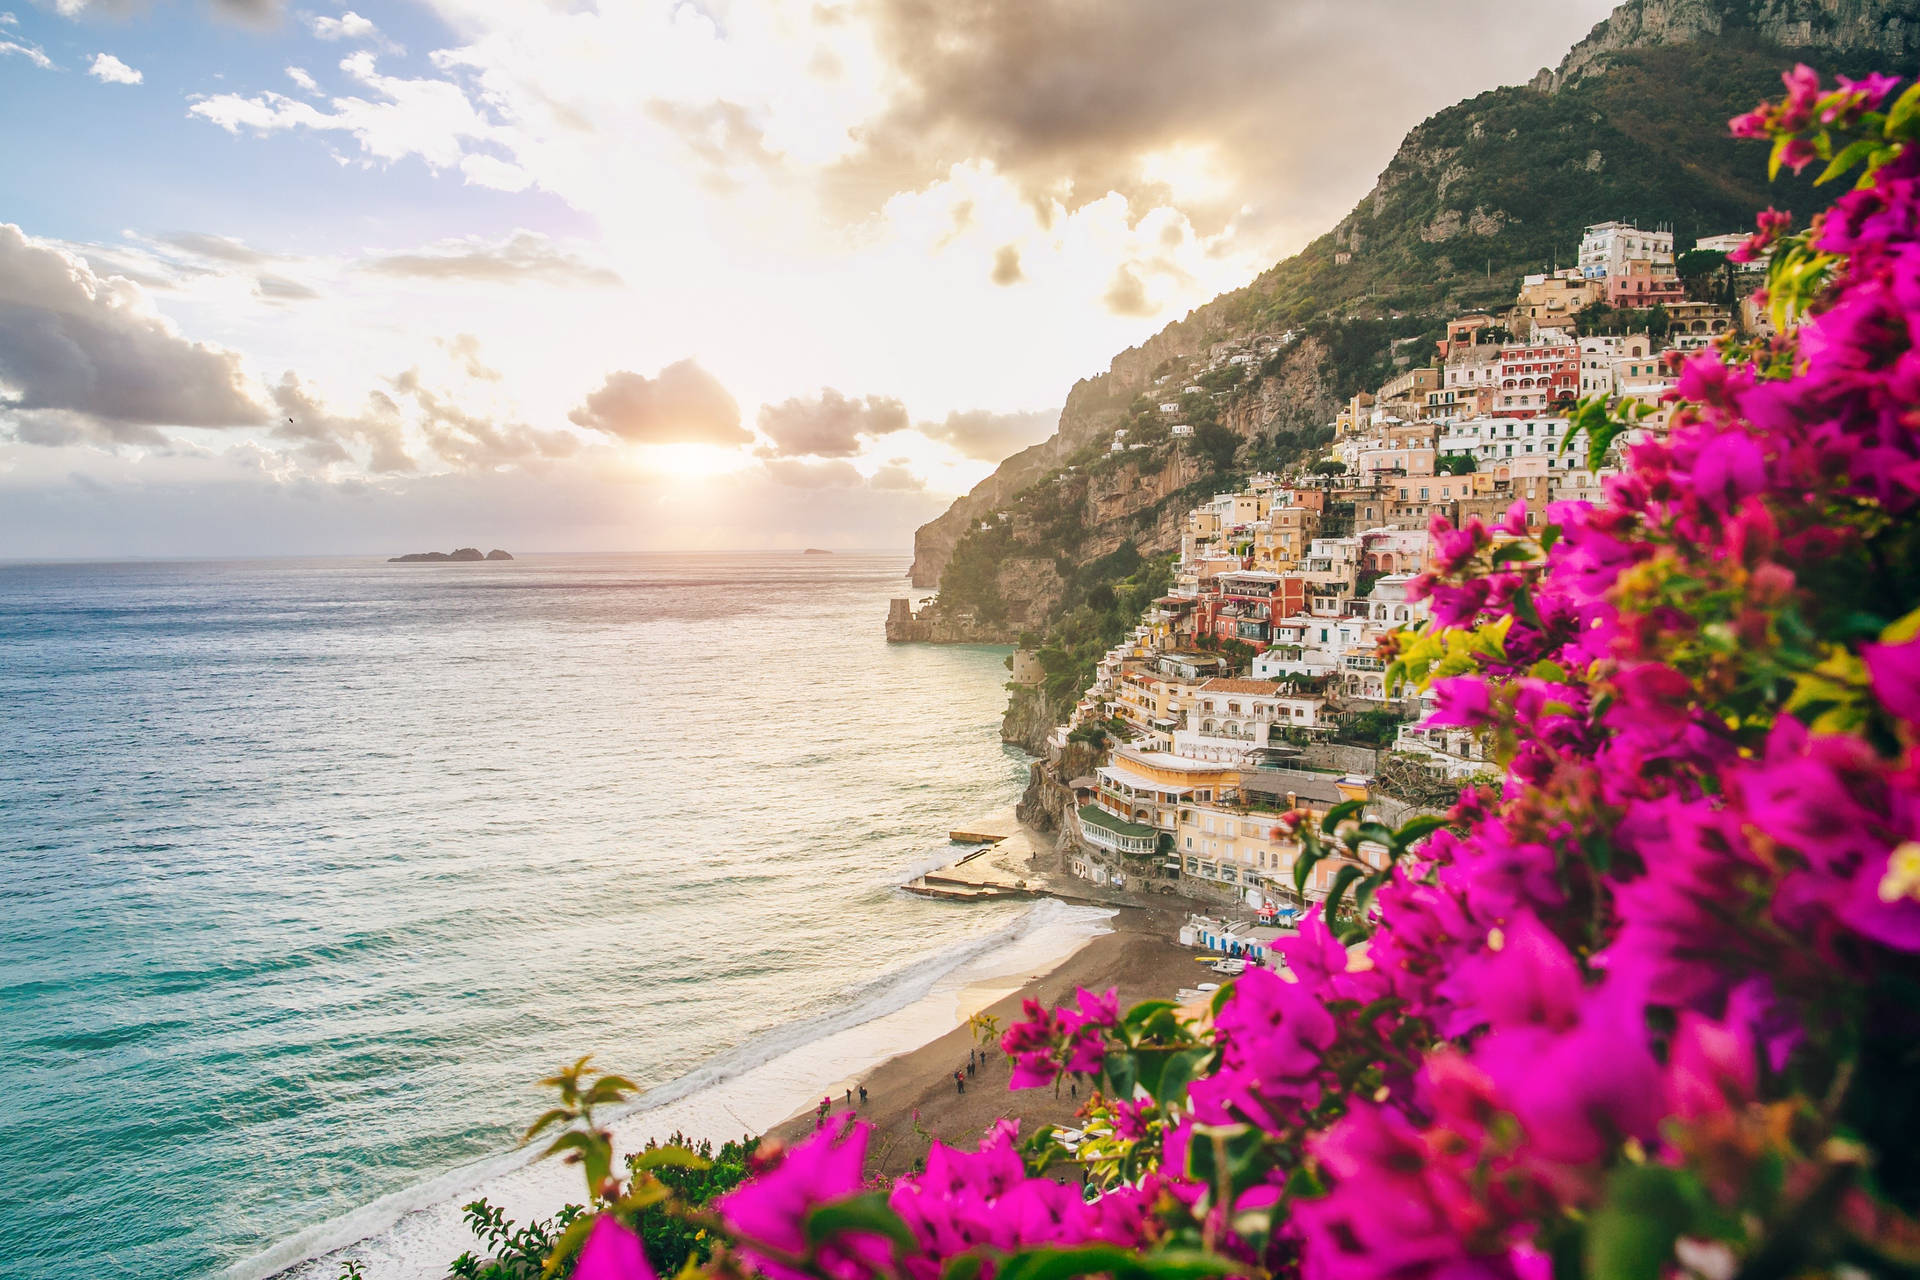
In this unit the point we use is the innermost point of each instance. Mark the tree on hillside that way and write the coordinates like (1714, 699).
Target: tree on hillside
(1707, 275)
(1216, 444)
(1329, 467)
(1455, 464)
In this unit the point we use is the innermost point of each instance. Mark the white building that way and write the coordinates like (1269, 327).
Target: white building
(1598, 357)
(1607, 247)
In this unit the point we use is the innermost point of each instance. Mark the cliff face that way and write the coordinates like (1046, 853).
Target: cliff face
(1088, 415)
(1888, 28)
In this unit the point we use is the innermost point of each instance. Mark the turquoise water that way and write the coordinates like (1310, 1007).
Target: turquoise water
(309, 869)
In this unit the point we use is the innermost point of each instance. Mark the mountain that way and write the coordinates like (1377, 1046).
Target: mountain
(1631, 124)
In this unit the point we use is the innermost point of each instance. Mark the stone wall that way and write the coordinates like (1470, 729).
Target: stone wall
(1340, 757)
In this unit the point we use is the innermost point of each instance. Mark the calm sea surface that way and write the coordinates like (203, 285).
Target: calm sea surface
(309, 869)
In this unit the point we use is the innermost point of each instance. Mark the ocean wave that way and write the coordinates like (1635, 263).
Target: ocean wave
(416, 1232)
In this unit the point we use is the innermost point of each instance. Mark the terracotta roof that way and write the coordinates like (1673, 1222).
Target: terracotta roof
(1219, 685)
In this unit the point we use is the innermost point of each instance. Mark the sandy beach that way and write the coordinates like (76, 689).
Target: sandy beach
(911, 1097)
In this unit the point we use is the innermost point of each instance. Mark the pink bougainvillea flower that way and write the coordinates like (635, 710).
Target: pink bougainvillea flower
(612, 1252)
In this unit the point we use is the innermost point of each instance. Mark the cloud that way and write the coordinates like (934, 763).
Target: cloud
(722, 135)
(474, 441)
(465, 348)
(523, 256)
(281, 289)
(683, 405)
(482, 170)
(1174, 104)
(431, 119)
(322, 436)
(895, 475)
(253, 13)
(348, 26)
(83, 355)
(1006, 265)
(796, 473)
(990, 437)
(1126, 296)
(829, 425)
(300, 77)
(31, 52)
(219, 248)
(110, 70)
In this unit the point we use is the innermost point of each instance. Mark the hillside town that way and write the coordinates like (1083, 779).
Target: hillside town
(1256, 687)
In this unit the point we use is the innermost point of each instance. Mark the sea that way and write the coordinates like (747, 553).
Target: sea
(311, 869)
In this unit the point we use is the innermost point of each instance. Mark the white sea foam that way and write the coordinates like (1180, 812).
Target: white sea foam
(413, 1234)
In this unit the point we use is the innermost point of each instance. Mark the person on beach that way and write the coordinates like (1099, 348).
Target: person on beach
(863, 1095)
(960, 1081)
(849, 1097)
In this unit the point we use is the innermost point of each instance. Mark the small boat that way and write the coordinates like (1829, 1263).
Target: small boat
(1232, 968)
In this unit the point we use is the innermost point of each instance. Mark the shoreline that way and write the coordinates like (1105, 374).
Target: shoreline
(754, 1088)
(912, 1100)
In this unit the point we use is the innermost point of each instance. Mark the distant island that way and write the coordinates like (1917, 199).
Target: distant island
(440, 557)
(815, 551)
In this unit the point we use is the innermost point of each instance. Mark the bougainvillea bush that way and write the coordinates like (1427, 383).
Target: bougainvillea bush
(1647, 1009)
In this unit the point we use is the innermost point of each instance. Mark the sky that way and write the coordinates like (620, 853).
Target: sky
(552, 275)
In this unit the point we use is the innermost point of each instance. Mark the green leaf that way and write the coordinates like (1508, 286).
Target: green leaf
(594, 1152)
(1416, 829)
(1378, 832)
(1511, 552)
(1303, 867)
(559, 1115)
(1631, 1235)
(1549, 535)
(965, 1266)
(1140, 1014)
(867, 1212)
(1853, 155)
(1342, 878)
(1122, 1264)
(1340, 813)
(670, 1156)
(1182, 1069)
(1904, 109)
(1122, 1072)
(1363, 896)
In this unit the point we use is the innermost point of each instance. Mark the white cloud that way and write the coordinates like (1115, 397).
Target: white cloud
(349, 26)
(431, 119)
(483, 170)
(110, 70)
(300, 77)
(31, 52)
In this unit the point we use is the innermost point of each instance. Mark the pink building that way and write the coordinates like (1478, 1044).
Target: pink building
(1534, 377)
(1642, 283)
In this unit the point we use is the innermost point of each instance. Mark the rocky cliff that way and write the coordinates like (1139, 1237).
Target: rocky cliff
(1888, 28)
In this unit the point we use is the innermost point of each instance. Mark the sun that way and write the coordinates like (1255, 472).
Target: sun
(691, 461)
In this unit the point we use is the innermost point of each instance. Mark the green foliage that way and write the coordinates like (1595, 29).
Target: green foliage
(1216, 445)
(1700, 262)
(1370, 728)
(1456, 464)
(508, 1252)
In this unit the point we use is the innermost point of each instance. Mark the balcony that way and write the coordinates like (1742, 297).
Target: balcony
(1104, 831)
